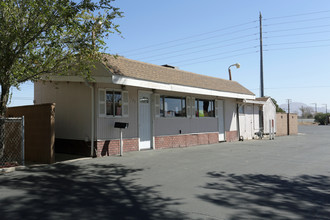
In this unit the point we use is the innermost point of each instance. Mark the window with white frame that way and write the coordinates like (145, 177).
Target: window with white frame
(113, 103)
(172, 106)
(204, 108)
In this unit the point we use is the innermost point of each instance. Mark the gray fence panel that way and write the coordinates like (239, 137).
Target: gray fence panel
(11, 142)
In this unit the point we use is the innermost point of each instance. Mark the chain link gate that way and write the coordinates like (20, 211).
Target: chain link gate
(11, 142)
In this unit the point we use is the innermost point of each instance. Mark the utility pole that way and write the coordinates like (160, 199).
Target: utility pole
(288, 116)
(326, 114)
(315, 112)
(261, 60)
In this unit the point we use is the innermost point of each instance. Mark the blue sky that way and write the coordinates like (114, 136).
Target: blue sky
(207, 36)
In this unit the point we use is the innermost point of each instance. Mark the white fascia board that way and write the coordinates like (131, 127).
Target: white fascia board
(254, 102)
(98, 79)
(176, 88)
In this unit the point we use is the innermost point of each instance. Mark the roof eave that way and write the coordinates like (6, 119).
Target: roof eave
(127, 81)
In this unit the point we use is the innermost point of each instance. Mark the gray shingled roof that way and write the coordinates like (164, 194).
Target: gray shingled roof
(139, 70)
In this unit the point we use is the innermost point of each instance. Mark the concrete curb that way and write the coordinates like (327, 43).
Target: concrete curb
(7, 169)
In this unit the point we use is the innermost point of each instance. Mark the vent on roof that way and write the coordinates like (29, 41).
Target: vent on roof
(169, 66)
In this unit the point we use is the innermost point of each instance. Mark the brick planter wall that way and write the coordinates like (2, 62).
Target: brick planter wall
(231, 136)
(112, 147)
(185, 140)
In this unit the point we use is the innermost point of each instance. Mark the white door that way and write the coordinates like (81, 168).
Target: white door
(221, 121)
(249, 122)
(144, 120)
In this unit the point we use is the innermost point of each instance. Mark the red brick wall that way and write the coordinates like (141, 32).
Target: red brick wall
(231, 136)
(112, 147)
(185, 140)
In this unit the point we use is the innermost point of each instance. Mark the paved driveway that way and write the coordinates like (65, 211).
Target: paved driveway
(287, 178)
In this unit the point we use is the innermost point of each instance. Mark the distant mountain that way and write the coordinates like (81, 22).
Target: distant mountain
(295, 107)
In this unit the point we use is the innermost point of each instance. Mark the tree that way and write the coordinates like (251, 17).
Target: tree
(278, 109)
(306, 112)
(47, 37)
(322, 118)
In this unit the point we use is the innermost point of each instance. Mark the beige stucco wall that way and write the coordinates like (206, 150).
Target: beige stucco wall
(73, 107)
(282, 125)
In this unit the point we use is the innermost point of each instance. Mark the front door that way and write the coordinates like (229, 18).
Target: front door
(144, 120)
(221, 121)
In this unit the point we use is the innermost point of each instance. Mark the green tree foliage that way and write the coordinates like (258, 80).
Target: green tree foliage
(278, 109)
(322, 118)
(44, 37)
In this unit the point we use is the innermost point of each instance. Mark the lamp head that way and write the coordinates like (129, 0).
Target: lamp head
(237, 65)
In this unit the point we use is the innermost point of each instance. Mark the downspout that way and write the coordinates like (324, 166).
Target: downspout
(91, 86)
(238, 127)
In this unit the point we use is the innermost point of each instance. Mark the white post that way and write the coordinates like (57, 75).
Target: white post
(270, 129)
(23, 141)
(121, 142)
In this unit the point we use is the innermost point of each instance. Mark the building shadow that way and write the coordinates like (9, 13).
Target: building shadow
(256, 196)
(93, 191)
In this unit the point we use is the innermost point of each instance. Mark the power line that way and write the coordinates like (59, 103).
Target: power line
(298, 21)
(207, 49)
(189, 37)
(296, 15)
(220, 58)
(293, 29)
(194, 41)
(292, 48)
(299, 42)
(297, 87)
(292, 35)
(232, 51)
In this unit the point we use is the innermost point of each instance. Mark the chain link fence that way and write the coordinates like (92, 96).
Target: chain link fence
(11, 142)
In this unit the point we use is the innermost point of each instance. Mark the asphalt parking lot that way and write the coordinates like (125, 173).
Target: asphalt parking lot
(286, 178)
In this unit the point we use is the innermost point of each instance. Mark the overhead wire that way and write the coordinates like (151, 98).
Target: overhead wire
(225, 52)
(290, 22)
(220, 58)
(157, 54)
(299, 42)
(189, 37)
(292, 48)
(296, 15)
(294, 29)
(194, 41)
(207, 49)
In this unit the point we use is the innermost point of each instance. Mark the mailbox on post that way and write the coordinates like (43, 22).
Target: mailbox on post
(121, 126)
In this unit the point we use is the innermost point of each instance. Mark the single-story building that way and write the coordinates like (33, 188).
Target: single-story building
(165, 107)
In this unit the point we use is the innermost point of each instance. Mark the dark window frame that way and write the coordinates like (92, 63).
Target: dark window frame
(197, 112)
(183, 109)
(115, 103)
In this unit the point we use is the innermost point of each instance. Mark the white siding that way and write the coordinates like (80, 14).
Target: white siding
(230, 115)
(269, 114)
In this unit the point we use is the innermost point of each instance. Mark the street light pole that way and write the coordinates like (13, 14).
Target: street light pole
(229, 71)
(315, 108)
(261, 59)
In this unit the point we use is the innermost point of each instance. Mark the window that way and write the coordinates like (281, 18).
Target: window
(204, 108)
(241, 109)
(113, 103)
(172, 107)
